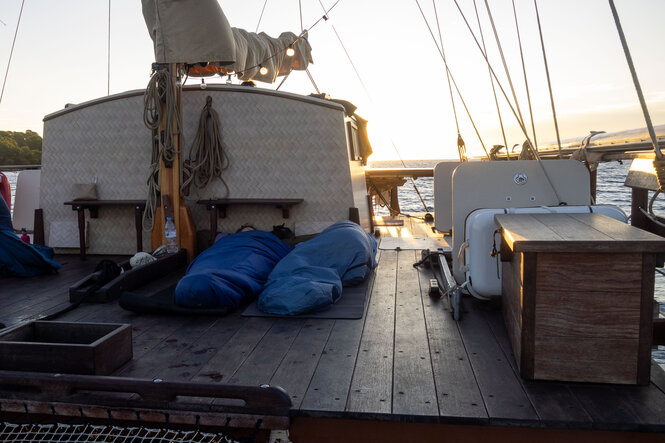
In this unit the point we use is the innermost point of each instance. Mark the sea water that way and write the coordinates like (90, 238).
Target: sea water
(610, 190)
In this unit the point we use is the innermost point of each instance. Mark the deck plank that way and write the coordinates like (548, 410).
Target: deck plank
(456, 387)
(371, 386)
(296, 369)
(189, 362)
(261, 364)
(623, 407)
(154, 362)
(553, 402)
(233, 353)
(414, 392)
(502, 392)
(329, 387)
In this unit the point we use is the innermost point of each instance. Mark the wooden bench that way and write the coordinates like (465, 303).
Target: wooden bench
(577, 293)
(93, 206)
(217, 207)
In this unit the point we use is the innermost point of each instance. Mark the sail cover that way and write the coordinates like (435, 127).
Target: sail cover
(197, 32)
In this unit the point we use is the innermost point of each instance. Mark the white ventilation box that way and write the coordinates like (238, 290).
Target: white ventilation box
(481, 270)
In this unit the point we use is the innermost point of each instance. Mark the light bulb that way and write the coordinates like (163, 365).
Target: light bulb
(263, 70)
(290, 52)
(203, 84)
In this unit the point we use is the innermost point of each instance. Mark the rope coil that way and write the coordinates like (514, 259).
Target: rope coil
(207, 157)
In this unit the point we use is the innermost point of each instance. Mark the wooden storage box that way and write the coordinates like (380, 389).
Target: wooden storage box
(74, 348)
(577, 292)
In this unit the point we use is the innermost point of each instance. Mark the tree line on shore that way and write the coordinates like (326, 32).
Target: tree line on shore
(20, 148)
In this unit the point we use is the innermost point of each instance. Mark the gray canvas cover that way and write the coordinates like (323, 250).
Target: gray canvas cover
(197, 31)
(189, 31)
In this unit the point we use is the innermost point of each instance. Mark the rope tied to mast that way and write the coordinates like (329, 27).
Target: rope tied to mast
(160, 91)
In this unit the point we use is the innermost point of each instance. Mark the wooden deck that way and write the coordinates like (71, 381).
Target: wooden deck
(406, 366)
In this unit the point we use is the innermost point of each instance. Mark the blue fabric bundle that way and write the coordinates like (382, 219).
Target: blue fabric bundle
(230, 271)
(311, 277)
(20, 259)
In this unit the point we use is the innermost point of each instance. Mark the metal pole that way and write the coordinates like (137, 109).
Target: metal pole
(633, 73)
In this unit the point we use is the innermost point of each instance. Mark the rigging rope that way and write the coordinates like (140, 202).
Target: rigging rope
(526, 81)
(659, 161)
(160, 90)
(468, 113)
(549, 83)
(11, 52)
(496, 100)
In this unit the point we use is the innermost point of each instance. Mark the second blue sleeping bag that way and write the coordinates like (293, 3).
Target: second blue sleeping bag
(311, 277)
(235, 268)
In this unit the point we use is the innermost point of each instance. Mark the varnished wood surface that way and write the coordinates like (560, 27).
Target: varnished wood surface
(405, 360)
(575, 232)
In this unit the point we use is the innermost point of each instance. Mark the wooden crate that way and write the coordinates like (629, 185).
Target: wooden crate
(74, 348)
(577, 294)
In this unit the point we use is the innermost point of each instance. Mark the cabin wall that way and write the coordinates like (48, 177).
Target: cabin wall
(279, 145)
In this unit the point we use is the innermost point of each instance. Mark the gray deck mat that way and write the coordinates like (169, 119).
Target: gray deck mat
(351, 305)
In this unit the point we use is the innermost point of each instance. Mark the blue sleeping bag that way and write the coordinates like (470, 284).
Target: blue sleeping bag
(230, 271)
(19, 259)
(311, 277)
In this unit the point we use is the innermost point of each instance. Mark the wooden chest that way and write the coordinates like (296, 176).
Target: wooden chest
(577, 292)
(73, 348)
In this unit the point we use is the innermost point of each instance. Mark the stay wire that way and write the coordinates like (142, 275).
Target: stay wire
(496, 99)
(519, 122)
(526, 81)
(549, 83)
(468, 113)
(362, 83)
(489, 65)
(461, 147)
(261, 16)
(348, 56)
(505, 64)
(302, 34)
(108, 56)
(443, 51)
(11, 52)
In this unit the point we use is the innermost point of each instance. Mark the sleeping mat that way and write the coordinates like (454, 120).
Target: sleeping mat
(311, 277)
(21, 259)
(232, 270)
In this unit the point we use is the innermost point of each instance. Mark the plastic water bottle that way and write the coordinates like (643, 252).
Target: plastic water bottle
(171, 236)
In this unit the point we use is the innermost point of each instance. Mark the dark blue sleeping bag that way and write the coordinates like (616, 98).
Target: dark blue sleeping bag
(20, 259)
(233, 269)
(311, 277)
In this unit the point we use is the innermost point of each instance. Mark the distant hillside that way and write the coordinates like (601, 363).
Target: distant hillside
(20, 148)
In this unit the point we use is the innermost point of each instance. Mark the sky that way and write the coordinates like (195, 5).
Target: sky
(378, 54)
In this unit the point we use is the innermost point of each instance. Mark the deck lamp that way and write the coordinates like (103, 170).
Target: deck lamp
(290, 52)
(263, 70)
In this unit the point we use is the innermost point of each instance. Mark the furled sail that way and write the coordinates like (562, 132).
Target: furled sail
(196, 32)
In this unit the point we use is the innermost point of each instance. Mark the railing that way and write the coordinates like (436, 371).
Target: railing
(13, 168)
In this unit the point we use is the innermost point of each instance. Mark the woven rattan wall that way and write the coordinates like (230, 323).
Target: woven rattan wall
(279, 146)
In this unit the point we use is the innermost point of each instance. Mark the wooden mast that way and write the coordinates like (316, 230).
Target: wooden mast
(172, 205)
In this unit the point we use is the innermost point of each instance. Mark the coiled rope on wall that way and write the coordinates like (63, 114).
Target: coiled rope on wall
(207, 157)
